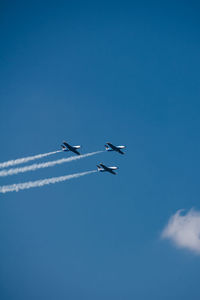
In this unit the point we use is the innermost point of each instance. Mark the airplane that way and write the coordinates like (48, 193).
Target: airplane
(103, 168)
(111, 147)
(66, 147)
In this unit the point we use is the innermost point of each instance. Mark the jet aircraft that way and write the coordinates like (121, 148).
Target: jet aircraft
(111, 147)
(66, 147)
(103, 168)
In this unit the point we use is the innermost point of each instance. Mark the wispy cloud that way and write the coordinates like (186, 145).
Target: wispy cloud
(184, 230)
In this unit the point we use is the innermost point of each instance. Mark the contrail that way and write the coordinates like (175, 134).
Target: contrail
(42, 182)
(44, 165)
(25, 159)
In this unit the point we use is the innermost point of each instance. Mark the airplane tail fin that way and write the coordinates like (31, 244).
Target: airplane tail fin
(64, 148)
(98, 168)
(121, 152)
(108, 148)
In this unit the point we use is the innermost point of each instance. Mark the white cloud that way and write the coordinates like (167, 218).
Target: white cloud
(184, 230)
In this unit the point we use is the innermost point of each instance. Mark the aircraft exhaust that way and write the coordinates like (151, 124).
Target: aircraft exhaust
(38, 183)
(34, 167)
(23, 160)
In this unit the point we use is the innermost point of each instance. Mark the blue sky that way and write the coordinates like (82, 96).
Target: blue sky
(90, 73)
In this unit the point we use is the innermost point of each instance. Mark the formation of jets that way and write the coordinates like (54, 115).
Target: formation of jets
(101, 167)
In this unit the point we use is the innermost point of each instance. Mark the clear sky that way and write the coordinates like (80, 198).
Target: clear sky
(88, 73)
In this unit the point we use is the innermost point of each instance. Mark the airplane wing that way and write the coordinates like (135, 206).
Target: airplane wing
(112, 146)
(120, 151)
(67, 145)
(103, 166)
(75, 151)
(112, 172)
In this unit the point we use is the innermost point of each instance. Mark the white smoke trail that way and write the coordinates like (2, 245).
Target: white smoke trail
(44, 165)
(25, 159)
(27, 185)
